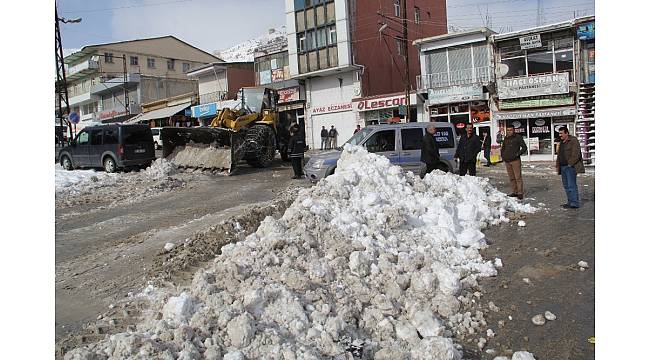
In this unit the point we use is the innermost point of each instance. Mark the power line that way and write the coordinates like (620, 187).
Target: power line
(125, 7)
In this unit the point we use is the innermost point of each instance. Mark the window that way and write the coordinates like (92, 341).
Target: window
(110, 136)
(108, 58)
(170, 64)
(516, 66)
(417, 15)
(155, 132)
(397, 6)
(311, 40)
(96, 137)
(186, 67)
(399, 45)
(540, 63)
(302, 43)
(381, 141)
(332, 35)
(82, 138)
(321, 40)
(556, 56)
(151, 63)
(134, 60)
(564, 62)
(412, 139)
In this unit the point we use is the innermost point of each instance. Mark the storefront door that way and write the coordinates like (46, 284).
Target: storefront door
(540, 142)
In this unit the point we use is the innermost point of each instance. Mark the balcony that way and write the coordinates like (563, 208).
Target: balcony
(82, 69)
(210, 97)
(480, 75)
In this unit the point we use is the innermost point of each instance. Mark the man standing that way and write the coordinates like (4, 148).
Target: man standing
(357, 129)
(511, 150)
(569, 164)
(430, 154)
(469, 146)
(296, 150)
(333, 134)
(324, 143)
(487, 147)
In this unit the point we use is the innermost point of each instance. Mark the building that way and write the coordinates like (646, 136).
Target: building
(537, 85)
(218, 83)
(149, 69)
(347, 58)
(456, 76)
(272, 70)
(586, 73)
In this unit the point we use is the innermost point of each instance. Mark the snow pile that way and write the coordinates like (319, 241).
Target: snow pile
(368, 263)
(245, 51)
(159, 169)
(64, 179)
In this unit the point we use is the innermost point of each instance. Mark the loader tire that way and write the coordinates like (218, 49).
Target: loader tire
(260, 146)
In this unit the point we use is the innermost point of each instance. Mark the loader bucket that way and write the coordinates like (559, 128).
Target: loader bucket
(202, 148)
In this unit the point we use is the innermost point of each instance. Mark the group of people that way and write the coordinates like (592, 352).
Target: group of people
(328, 138)
(568, 163)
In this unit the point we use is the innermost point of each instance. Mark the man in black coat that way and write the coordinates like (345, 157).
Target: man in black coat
(296, 150)
(487, 146)
(324, 141)
(469, 146)
(430, 154)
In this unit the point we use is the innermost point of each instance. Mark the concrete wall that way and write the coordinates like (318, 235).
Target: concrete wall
(239, 76)
(152, 89)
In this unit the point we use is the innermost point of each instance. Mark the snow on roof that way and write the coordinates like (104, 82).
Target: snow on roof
(245, 51)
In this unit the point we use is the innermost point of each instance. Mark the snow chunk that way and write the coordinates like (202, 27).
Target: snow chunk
(169, 246)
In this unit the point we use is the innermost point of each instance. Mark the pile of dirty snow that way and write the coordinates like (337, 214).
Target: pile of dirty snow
(369, 263)
(64, 179)
(159, 169)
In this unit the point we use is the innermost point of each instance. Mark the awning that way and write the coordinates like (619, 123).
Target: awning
(159, 113)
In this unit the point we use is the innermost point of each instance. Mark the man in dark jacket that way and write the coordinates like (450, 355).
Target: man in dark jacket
(569, 164)
(324, 142)
(430, 154)
(511, 150)
(469, 146)
(333, 135)
(296, 150)
(487, 147)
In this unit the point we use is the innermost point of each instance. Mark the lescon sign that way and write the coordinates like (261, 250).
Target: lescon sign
(110, 114)
(365, 105)
(537, 85)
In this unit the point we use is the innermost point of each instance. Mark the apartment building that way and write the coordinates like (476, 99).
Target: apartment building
(149, 69)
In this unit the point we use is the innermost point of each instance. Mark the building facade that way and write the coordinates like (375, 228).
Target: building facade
(586, 73)
(149, 69)
(337, 48)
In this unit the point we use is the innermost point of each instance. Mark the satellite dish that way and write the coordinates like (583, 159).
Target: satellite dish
(502, 70)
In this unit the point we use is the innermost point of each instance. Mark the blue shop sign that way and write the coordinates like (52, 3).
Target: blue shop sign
(586, 31)
(204, 110)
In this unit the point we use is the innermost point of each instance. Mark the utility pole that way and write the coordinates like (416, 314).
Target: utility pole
(405, 47)
(126, 91)
(61, 82)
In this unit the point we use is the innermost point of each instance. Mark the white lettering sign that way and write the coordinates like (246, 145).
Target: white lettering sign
(331, 108)
(530, 41)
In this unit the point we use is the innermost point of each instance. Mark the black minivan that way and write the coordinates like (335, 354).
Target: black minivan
(113, 147)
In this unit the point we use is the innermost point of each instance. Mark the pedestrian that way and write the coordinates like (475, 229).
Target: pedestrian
(487, 147)
(324, 143)
(569, 164)
(333, 134)
(430, 154)
(468, 148)
(296, 151)
(513, 147)
(357, 129)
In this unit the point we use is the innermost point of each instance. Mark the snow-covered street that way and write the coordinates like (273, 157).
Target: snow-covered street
(371, 262)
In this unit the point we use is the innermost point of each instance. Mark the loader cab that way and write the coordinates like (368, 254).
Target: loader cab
(259, 99)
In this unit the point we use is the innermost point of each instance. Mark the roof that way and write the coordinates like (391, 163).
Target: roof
(81, 53)
(544, 28)
(217, 65)
(159, 113)
(481, 30)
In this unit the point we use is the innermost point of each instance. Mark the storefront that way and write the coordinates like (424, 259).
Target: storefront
(460, 105)
(291, 109)
(539, 128)
(385, 109)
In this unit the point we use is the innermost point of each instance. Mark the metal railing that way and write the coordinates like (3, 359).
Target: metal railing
(212, 97)
(478, 75)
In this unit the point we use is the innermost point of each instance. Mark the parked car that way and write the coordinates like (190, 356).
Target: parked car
(400, 143)
(111, 147)
(156, 137)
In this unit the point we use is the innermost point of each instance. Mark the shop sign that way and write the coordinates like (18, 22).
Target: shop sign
(109, 114)
(537, 102)
(382, 103)
(505, 115)
(536, 85)
(586, 31)
(530, 41)
(277, 75)
(203, 110)
(533, 143)
(289, 94)
(316, 110)
(453, 94)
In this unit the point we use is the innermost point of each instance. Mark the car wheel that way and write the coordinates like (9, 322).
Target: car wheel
(109, 164)
(66, 163)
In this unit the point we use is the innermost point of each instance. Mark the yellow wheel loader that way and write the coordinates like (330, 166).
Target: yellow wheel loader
(249, 131)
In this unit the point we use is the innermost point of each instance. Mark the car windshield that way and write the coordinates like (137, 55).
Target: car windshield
(360, 135)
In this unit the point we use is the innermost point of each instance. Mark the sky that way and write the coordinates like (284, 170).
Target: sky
(219, 24)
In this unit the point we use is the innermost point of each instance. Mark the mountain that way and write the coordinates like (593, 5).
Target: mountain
(245, 51)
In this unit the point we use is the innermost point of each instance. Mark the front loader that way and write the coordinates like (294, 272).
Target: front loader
(250, 131)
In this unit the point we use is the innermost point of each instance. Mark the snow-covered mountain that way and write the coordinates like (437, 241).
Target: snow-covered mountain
(245, 51)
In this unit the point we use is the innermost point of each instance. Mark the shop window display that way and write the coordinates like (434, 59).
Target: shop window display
(539, 131)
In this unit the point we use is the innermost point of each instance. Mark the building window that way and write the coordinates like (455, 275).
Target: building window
(332, 35)
(397, 6)
(556, 56)
(170, 64)
(417, 15)
(186, 67)
(134, 60)
(301, 43)
(321, 38)
(151, 63)
(108, 58)
(399, 45)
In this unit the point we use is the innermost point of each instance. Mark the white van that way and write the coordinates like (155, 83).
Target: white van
(157, 141)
